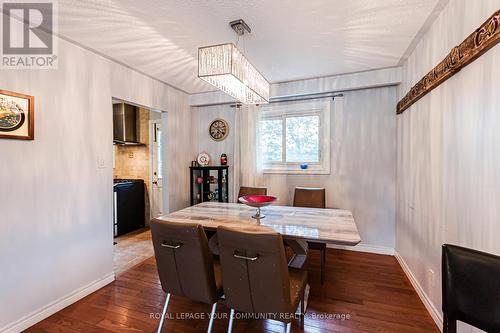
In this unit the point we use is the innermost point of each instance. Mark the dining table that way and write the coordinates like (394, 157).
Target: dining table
(297, 225)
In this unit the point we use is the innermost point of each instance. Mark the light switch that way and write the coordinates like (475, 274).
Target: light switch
(100, 162)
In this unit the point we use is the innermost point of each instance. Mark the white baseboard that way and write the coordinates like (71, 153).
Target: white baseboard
(435, 313)
(365, 248)
(57, 305)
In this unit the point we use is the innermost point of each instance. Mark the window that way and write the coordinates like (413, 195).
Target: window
(302, 139)
(271, 132)
(295, 133)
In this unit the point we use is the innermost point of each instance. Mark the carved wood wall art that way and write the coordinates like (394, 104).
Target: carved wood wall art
(477, 43)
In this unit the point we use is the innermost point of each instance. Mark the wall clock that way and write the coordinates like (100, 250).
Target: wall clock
(218, 129)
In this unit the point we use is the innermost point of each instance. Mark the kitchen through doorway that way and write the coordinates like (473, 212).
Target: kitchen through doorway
(138, 162)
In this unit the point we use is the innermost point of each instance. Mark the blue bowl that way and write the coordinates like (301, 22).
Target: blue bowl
(304, 166)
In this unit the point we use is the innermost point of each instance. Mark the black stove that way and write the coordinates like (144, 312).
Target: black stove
(129, 205)
(124, 180)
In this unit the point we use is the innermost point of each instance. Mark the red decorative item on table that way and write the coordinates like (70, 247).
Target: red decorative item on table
(257, 201)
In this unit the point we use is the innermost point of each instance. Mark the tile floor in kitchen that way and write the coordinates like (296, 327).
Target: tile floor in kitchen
(132, 249)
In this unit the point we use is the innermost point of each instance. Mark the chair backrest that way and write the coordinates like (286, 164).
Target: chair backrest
(185, 263)
(309, 197)
(247, 190)
(254, 270)
(471, 287)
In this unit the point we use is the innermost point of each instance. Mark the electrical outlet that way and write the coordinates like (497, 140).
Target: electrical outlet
(130, 154)
(431, 277)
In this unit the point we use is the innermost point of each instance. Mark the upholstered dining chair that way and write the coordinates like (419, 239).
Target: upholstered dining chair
(471, 289)
(247, 190)
(185, 265)
(313, 198)
(256, 276)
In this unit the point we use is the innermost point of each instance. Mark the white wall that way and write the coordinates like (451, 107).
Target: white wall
(55, 204)
(214, 148)
(363, 162)
(449, 152)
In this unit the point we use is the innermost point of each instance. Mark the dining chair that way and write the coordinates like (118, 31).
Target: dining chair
(256, 276)
(471, 289)
(185, 265)
(313, 198)
(247, 190)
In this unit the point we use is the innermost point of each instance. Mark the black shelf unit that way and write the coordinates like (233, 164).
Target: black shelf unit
(209, 183)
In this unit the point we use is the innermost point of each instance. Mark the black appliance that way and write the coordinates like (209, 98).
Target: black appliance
(129, 206)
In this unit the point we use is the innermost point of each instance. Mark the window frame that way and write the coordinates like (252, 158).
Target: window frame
(293, 109)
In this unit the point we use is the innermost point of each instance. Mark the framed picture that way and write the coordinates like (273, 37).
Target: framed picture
(17, 116)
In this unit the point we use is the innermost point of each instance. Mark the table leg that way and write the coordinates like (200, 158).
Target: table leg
(300, 248)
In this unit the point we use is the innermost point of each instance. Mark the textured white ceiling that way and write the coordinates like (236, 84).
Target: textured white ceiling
(290, 40)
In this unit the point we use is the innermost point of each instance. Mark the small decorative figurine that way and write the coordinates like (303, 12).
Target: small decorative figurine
(223, 159)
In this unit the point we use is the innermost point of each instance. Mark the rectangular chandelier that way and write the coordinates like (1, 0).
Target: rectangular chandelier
(226, 68)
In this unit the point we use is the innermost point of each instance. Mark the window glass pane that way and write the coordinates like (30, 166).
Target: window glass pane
(302, 139)
(271, 139)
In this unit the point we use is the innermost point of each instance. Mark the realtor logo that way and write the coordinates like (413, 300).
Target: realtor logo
(28, 35)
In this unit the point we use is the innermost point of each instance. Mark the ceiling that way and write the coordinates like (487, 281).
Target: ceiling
(290, 40)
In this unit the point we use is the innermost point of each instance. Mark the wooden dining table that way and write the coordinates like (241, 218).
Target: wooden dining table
(297, 225)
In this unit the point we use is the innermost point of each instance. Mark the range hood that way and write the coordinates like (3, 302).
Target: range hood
(125, 125)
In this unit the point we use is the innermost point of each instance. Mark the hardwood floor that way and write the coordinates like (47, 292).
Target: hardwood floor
(369, 291)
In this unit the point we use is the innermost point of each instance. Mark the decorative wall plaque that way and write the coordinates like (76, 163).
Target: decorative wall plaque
(477, 43)
(16, 116)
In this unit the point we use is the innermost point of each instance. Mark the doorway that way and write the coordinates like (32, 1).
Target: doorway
(137, 162)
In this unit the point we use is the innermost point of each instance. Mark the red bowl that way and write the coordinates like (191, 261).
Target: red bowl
(257, 200)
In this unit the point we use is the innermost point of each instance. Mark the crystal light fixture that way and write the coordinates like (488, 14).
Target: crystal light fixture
(226, 68)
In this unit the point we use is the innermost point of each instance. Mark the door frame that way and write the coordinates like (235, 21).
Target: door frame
(152, 166)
